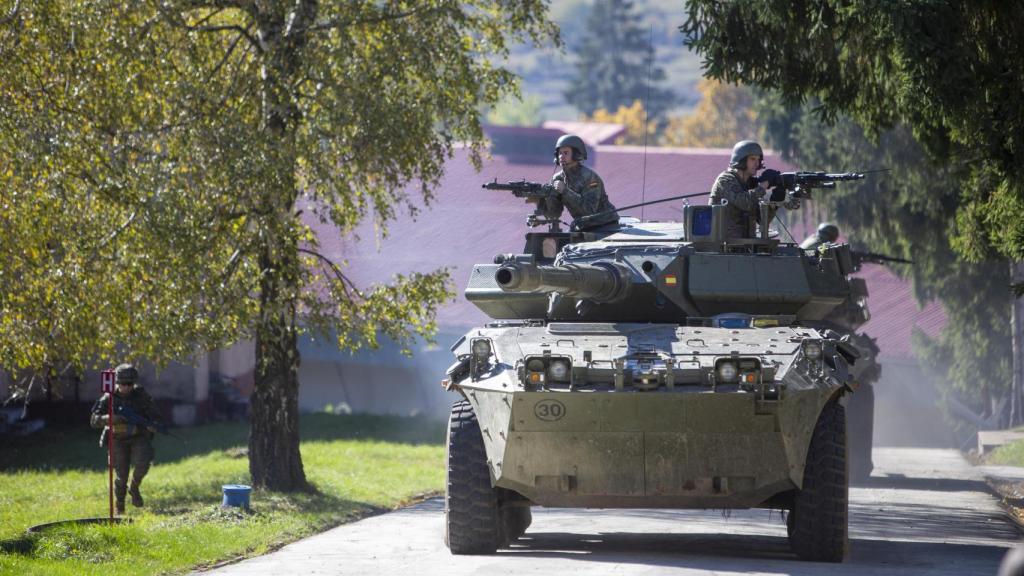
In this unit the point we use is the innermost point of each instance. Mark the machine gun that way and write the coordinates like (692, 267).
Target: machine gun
(859, 258)
(806, 180)
(789, 188)
(523, 189)
(533, 193)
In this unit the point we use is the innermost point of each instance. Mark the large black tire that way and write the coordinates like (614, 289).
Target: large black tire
(472, 520)
(515, 520)
(820, 508)
(860, 420)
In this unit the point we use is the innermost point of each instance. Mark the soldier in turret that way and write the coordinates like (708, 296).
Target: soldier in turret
(738, 187)
(578, 187)
(827, 233)
(133, 445)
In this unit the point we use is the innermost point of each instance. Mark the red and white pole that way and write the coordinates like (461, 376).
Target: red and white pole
(108, 387)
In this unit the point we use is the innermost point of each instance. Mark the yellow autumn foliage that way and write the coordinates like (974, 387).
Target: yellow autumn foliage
(723, 117)
(632, 117)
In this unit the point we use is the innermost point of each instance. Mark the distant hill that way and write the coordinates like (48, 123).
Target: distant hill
(545, 73)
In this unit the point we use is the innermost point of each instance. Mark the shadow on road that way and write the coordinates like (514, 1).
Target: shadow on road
(753, 553)
(901, 482)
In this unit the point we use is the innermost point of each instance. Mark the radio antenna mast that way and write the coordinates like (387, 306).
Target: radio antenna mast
(647, 102)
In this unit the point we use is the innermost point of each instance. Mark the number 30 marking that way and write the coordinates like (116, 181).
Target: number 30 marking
(549, 410)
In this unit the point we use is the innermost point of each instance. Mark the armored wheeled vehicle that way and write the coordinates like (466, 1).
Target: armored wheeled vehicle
(652, 365)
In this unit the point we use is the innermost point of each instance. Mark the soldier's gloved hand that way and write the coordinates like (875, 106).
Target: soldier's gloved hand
(559, 186)
(758, 193)
(770, 176)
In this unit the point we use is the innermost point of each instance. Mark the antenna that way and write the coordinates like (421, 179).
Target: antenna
(647, 102)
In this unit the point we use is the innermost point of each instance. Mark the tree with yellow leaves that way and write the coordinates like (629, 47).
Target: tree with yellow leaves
(723, 117)
(633, 118)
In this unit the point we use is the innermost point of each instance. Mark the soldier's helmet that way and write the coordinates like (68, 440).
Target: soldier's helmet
(828, 232)
(576, 143)
(743, 149)
(126, 374)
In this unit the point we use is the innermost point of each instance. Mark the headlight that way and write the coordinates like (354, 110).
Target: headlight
(481, 347)
(812, 349)
(727, 372)
(559, 371)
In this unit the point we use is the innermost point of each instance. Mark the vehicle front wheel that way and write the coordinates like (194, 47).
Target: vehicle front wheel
(472, 520)
(818, 529)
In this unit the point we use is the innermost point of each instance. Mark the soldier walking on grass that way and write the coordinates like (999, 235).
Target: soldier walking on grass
(133, 445)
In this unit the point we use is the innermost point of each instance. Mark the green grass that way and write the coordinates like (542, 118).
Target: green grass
(357, 464)
(1011, 454)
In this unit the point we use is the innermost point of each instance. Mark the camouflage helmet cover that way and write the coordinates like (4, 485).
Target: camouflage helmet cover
(576, 143)
(743, 149)
(126, 374)
(828, 232)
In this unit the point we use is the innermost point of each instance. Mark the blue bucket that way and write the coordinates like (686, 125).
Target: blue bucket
(236, 495)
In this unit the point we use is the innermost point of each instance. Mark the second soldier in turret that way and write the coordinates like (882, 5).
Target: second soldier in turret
(738, 188)
(827, 233)
(577, 187)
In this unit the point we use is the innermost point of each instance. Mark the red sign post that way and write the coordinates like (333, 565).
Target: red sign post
(107, 378)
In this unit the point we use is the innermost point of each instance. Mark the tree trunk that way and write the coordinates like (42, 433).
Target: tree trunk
(274, 458)
(1017, 335)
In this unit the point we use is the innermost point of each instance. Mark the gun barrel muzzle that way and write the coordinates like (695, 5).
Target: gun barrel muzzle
(603, 282)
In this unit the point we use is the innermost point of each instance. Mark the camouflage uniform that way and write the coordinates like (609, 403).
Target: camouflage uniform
(742, 203)
(583, 195)
(133, 445)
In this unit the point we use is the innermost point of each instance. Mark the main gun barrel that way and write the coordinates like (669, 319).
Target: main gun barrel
(602, 283)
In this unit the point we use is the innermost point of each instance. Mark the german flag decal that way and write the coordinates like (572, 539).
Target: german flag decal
(670, 279)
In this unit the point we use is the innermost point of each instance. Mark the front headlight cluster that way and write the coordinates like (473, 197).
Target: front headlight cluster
(541, 369)
(743, 371)
(480, 355)
(812, 349)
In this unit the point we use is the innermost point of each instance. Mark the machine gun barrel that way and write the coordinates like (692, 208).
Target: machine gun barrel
(522, 188)
(602, 282)
(790, 180)
(875, 258)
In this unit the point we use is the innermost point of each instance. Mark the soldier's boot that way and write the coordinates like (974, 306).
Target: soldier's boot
(119, 494)
(136, 495)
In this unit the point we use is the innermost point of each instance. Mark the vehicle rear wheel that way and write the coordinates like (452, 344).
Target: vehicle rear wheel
(860, 420)
(516, 519)
(820, 508)
(471, 503)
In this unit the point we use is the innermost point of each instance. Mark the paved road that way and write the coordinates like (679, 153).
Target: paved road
(924, 512)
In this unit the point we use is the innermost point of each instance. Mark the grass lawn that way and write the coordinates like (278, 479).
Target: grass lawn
(358, 464)
(1011, 454)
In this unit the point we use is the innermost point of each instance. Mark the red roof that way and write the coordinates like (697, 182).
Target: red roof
(590, 132)
(465, 225)
(895, 312)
